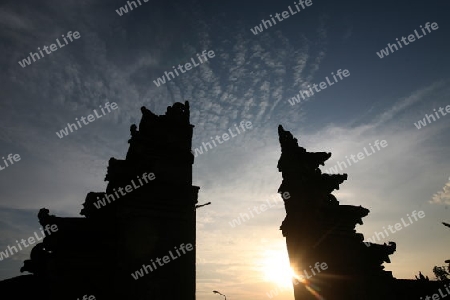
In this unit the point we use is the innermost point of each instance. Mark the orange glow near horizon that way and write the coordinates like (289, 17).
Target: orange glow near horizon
(276, 268)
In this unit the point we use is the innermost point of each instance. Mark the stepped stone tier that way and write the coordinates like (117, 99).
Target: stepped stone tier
(320, 230)
(96, 254)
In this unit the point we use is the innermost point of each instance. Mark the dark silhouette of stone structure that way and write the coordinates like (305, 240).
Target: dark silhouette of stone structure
(96, 254)
(320, 230)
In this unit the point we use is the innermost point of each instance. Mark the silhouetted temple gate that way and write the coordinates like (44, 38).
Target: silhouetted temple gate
(320, 230)
(96, 255)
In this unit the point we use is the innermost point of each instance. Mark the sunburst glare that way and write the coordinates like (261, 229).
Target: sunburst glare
(276, 268)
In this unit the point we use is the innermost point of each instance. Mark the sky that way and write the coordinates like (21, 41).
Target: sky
(118, 56)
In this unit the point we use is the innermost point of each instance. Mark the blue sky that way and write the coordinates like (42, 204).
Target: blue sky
(251, 78)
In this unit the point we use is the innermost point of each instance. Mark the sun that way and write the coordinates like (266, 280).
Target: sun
(276, 268)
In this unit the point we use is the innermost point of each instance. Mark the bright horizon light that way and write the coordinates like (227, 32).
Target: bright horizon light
(276, 268)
